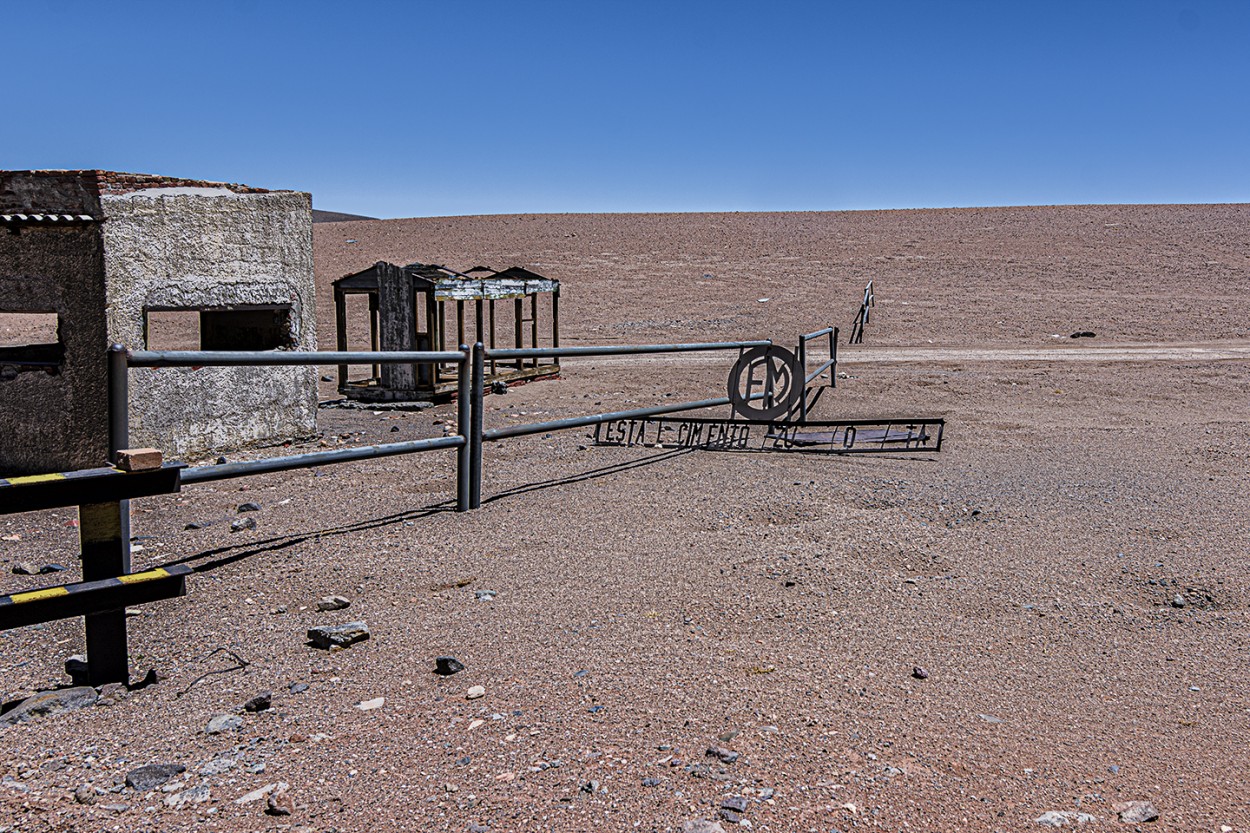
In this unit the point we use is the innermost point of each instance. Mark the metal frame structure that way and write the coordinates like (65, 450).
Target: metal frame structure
(863, 316)
(103, 494)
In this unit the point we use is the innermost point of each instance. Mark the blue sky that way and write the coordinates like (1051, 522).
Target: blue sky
(400, 109)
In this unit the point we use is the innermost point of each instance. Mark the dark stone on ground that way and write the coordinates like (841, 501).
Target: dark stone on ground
(327, 636)
(736, 803)
(259, 703)
(152, 776)
(920, 673)
(298, 688)
(249, 507)
(724, 755)
(446, 666)
(242, 524)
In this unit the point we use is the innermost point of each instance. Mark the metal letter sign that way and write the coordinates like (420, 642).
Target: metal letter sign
(765, 383)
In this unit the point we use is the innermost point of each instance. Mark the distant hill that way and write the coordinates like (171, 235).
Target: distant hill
(320, 216)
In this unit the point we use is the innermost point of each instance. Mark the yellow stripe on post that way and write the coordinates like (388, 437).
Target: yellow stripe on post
(135, 578)
(34, 478)
(39, 595)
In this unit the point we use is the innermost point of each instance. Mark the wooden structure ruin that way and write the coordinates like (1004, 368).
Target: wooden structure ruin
(410, 307)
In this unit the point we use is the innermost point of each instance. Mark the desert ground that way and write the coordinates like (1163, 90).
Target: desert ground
(1051, 615)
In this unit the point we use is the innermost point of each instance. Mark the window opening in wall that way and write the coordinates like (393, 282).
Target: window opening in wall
(220, 328)
(30, 340)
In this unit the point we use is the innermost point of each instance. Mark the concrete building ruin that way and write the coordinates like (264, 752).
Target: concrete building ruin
(426, 307)
(91, 258)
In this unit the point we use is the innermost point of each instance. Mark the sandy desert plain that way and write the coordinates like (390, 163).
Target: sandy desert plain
(1071, 570)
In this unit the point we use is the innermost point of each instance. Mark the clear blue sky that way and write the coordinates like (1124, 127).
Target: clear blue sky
(400, 109)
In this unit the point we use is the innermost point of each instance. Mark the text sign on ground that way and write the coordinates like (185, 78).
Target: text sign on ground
(856, 436)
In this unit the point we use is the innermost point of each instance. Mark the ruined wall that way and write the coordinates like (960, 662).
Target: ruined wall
(211, 247)
(55, 421)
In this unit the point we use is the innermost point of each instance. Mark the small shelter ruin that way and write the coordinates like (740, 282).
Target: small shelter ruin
(408, 309)
(91, 258)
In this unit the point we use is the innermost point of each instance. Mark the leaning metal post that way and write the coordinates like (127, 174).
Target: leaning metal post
(477, 394)
(464, 416)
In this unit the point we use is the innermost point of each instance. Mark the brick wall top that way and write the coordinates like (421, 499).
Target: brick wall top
(117, 182)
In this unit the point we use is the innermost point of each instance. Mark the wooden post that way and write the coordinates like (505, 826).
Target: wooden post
(518, 313)
(534, 324)
(492, 334)
(340, 332)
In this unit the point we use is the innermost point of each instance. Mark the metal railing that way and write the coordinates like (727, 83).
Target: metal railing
(120, 360)
(808, 378)
(471, 431)
(479, 435)
(865, 314)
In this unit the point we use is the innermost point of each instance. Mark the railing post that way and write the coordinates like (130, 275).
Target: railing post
(802, 380)
(477, 394)
(104, 532)
(833, 354)
(464, 416)
(119, 400)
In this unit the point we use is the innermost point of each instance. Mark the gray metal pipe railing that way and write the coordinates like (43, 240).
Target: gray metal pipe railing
(118, 392)
(621, 349)
(281, 358)
(224, 471)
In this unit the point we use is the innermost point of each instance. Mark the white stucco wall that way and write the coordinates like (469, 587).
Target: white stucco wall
(201, 247)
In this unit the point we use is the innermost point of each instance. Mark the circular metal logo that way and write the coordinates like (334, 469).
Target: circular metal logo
(765, 383)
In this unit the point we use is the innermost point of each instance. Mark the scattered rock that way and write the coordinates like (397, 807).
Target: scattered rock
(47, 703)
(737, 803)
(1135, 812)
(475, 692)
(152, 776)
(242, 524)
(989, 718)
(328, 603)
(278, 804)
(1064, 818)
(582, 673)
(197, 525)
(920, 673)
(485, 595)
(111, 693)
(370, 705)
(223, 723)
(262, 792)
(327, 636)
(25, 568)
(652, 782)
(76, 668)
(51, 568)
(1178, 600)
(297, 688)
(195, 795)
(216, 766)
(723, 755)
(499, 387)
(248, 507)
(590, 787)
(446, 666)
(701, 826)
(1082, 334)
(259, 703)
(86, 794)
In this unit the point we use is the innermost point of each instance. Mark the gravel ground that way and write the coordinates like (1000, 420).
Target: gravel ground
(1052, 614)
